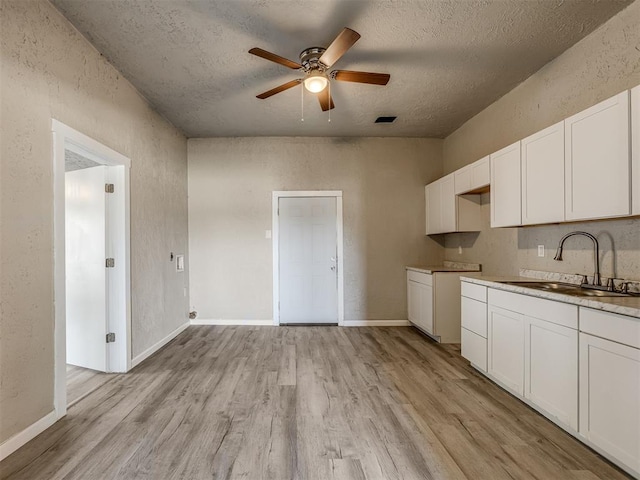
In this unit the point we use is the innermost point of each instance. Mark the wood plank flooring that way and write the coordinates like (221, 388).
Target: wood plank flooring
(304, 403)
(82, 381)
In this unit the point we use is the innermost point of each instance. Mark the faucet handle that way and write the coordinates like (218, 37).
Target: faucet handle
(584, 280)
(611, 284)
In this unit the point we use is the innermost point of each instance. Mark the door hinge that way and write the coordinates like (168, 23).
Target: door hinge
(111, 262)
(111, 337)
(109, 188)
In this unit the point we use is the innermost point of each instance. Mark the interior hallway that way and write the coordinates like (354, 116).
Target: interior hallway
(304, 403)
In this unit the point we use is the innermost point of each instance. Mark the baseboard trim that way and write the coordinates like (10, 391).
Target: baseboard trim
(157, 346)
(225, 321)
(32, 431)
(346, 323)
(376, 323)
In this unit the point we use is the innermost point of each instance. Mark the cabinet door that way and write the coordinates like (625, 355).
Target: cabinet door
(420, 305)
(426, 308)
(448, 204)
(506, 348)
(543, 176)
(433, 208)
(597, 161)
(551, 369)
(481, 173)
(413, 301)
(505, 187)
(610, 397)
(473, 177)
(462, 180)
(635, 150)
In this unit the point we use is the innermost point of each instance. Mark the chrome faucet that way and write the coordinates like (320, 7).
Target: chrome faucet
(596, 255)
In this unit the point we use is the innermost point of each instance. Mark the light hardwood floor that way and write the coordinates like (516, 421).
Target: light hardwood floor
(304, 403)
(82, 381)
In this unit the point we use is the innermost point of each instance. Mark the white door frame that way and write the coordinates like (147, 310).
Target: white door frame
(337, 194)
(65, 137)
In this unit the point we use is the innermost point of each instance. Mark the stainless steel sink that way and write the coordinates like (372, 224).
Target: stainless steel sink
(567, 289)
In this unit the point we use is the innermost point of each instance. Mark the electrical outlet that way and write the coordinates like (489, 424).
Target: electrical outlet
(541, 250)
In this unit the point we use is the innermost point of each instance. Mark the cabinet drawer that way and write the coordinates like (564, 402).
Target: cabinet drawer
(477, 292)
(418, 277)
(474, 316)
(474, 349)
(554, 312)
(612, 326)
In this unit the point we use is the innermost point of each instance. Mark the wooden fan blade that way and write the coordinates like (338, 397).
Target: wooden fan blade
(361, 77)
(326, 102)
(343, 42)
(274, 58)
(281, 88)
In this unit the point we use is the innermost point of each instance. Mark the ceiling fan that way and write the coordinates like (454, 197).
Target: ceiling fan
(315, 63)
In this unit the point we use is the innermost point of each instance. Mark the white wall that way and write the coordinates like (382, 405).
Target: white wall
(48, 70)
(382, 179)
(601, 65)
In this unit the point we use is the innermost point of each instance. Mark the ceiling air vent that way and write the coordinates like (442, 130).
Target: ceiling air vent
(385, 119)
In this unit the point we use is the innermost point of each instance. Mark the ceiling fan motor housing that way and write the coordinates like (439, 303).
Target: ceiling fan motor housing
(310, 59)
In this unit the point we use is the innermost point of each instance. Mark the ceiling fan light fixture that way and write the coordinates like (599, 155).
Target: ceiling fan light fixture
(316, 82)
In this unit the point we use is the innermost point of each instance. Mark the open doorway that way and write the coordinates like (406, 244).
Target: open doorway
(92, 298)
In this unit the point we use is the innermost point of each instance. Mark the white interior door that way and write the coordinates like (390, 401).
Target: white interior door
(86, 281)
(308, 260)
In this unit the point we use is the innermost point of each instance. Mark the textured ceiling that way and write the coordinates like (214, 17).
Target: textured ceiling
(447, 59)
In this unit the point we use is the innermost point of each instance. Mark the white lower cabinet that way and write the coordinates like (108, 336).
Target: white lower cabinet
(474, 349)
(551, 369)
(474, 324)
(434, 304)
(583, 375)
(533, 351)
(506, 348)
(610, 389)
(420, 303)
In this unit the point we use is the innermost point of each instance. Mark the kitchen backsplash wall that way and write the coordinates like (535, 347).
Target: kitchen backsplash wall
(504, 251)
(600, 66)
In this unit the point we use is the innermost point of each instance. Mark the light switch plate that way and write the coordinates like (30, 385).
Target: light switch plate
(541, 250)
(267, 234)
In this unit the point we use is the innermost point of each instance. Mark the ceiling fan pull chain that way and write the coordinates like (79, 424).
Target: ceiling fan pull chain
(302, 104)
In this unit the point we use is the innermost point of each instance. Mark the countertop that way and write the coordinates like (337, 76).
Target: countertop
(622, 305)
(445, 267)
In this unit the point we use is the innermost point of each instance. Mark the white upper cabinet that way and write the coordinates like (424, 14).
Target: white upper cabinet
(448, 201)
(505, 187)
(448, 212)
(543, 176)
(597, 161)
(473, 177)
(433, 208)
(635, 150)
